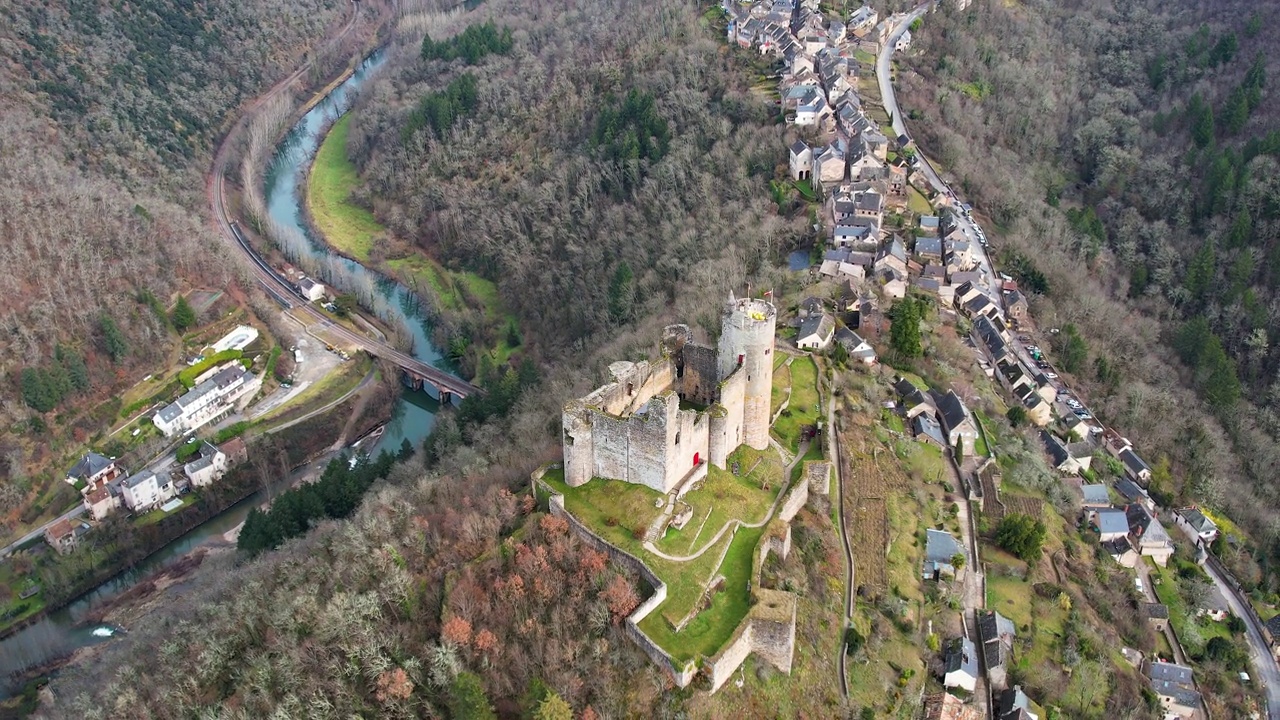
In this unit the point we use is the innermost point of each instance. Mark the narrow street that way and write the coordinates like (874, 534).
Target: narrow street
(1266, 673)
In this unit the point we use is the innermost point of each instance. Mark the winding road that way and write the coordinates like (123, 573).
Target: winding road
(216, 189)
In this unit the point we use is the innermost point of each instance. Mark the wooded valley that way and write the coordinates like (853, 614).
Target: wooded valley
(1128, 153)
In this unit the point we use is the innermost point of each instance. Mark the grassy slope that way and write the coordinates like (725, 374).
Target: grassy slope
(346, 226)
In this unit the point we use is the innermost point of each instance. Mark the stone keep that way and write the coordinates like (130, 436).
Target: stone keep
(633, 428)
(746, 343)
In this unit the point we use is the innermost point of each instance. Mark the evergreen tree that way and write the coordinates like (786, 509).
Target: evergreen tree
(183, 315)
(467, 699)
(621, 293)
(73, 364)
(112, 339)
(553, 707)
(1021, 535)
(904, 333)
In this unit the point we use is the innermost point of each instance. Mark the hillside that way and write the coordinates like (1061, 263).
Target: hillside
(110, 117)
(593, 176)
(1128, 154)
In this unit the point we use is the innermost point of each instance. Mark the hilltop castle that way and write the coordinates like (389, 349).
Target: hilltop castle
(634, 429)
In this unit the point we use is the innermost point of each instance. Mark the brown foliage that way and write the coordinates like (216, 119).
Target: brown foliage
(621, 598)
(394, 685)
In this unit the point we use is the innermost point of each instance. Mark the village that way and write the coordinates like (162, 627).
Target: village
(890, 233)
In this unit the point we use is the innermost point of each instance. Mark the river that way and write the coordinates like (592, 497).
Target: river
(62, 631)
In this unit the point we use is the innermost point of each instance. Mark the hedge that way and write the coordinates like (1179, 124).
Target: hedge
(188, 376)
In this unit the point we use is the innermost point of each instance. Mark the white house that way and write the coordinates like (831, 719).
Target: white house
(904, 41)
(1112, 524)
(210, 399)
(311, 289)
(815, 332)
(858, 348)
(961, 666)
(211, 465)
(145, 490)
(862, 19)
(801, 161)
(1196, 525)
(93, 469)
(811, 107)
(1148, 535)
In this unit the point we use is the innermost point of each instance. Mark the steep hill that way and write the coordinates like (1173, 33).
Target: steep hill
(110, 112)
(1128, 152)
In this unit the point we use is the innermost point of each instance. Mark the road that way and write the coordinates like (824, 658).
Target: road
(1266, 673)
(216, 190)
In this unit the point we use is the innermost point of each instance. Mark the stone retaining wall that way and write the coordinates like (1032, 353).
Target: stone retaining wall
(796, 497)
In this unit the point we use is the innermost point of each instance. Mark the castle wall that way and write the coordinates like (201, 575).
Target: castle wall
(732, 392)
(700, 374)
(796, 497)
(818, 475)
(718, 436)
(691, 441)
(634, 385)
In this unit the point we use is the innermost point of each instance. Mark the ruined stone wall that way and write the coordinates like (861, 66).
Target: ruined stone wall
(681, 673)
(690, 442)
(722, 667)
(773, 627)
(818, 474)
(634, 385)
(700, 375)
(579, 444)
(797, 496)
(718, 436)
(637, 448)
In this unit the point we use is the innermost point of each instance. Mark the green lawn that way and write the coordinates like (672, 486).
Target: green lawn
(893, 421)
(917, 202)
(460, 290)
(923, 459)
(806, 190)
(348, 227)
(803, 409)
(781, 387)
(1180, 615)
(157, 515)
(863, 56)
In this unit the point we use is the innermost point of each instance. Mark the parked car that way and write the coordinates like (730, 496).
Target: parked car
(1083, 415)
(1051, 375)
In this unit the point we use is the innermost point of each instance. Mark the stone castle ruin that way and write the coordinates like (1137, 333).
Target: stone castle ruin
(635, 429)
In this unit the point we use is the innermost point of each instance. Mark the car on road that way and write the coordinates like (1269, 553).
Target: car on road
(1051, 375)
(1074, 404)
(1137, 582)
(1083, 415)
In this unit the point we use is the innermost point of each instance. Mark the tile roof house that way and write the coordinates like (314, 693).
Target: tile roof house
(1175, 686)
(960, 665)
(1111, 524)
(1014, 705)
(800, 160)
(925, 429)
(101, 501)
(1135, 466)
(1148, 535)
(857, 348)
(64, 535)
(914, 400)
(996, 633)
(929, 248)
(815, 332)
(945, 706)
(957, 422)
(1196, 525)
(1059, 458)
(929, 224)
(1015, 305)
(1132, 492)
(939, 550)
(93, 469)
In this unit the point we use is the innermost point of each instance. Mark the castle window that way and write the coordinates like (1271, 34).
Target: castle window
(677, 438)
(629, 389)
(740, 359)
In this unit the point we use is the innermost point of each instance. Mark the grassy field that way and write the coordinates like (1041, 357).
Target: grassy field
(157, 515)
(781, 386)
(803, 409)
(917, 202)
(712, 627)
(346, 226)
(1165, 583)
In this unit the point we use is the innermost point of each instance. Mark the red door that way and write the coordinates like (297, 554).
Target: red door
(695, 459)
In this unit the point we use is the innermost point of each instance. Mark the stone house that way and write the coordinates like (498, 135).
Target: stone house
(64, 535)
(996, 633)
(101, 502)
(939, 552)
(1175, 686)
(960, 665)
(1015, 305)
(945, 706)
(1147, 535)
(957, 423)
(1135, 466)
(209, 466)
(829, 166)
(800, 161)
(863, 20)
(1157, 614)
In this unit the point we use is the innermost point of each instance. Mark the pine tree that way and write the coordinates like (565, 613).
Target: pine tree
(183, 315)
(112, 339)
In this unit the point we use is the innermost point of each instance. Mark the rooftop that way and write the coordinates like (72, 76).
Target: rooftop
(1095, 494)
(89, 465)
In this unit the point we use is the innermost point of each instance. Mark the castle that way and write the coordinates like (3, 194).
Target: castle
(635, 428)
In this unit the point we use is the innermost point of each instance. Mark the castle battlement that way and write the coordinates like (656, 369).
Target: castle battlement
(633, 429)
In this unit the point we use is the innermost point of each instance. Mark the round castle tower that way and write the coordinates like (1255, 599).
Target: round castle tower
(746, 340)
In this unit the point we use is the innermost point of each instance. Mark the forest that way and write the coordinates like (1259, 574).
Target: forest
(1127, 154)
(110, 120)
(446, 593)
